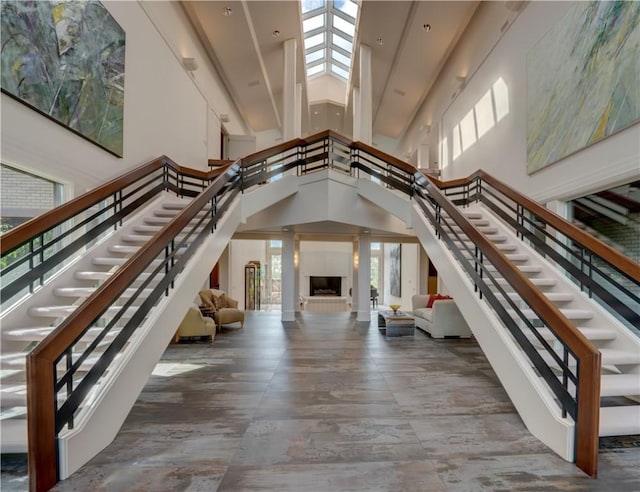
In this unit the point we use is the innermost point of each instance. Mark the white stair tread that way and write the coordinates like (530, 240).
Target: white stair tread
(175, 205)
(517, 256)
(155, 220)
(620, 385)
(147, 229)
(13, 360)
(472, 215)
(124, 249)
(568, 313)
(620, 421)
(540, 282)
(13, 395)
(593, 334)
(173, 213)
(102, 276)
(496, 238)
(63, 311)
(503, 246)
(482, 227)
(522, 268)
(74, 292)
(552, 296)
(610, 357)
(38, 334)
(81, 292)
(135, 238)
(14, 435)
(619, 357)
(112, 261)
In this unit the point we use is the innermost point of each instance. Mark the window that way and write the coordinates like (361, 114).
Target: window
(457, 148)
(501, 97)
(331, 26)
(468, 130)
(444, 153)
(484, 114)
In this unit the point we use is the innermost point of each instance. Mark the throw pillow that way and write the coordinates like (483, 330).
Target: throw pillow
(208, 299)
(223, 302)
(436, 297)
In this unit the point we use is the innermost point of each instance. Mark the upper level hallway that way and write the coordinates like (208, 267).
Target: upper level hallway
(325, 404)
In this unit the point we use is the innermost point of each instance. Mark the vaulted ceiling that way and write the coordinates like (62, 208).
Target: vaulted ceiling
(409, 40)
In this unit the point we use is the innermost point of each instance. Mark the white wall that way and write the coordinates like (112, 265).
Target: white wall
(409, 271)
(330, 259)
(164, 113)
(502, 151)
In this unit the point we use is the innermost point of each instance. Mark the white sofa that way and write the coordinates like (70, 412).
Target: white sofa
(443, 320)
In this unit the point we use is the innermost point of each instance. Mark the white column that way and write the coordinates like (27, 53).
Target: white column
(296, 282)
(289, 91)
(364, 277)
(297, 112)
(288, 277)
(366, 96)
(354, 276)
(356, 115)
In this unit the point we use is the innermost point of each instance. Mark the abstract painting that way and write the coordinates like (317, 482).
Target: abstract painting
(395, 276)
(65, 59)
(583, 80)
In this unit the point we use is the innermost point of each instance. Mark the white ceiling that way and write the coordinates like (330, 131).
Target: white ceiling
(405, 63)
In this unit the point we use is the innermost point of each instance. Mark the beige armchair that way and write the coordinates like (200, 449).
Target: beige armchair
(194, 324)
(224, 308)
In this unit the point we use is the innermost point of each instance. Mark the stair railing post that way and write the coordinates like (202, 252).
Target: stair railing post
(41, 423)
(588, 413)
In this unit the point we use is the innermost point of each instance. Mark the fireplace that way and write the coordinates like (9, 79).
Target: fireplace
(325, 286)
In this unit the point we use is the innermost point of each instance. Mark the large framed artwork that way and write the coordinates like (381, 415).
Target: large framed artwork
(395, 270)
(583, 80)
(65, 59)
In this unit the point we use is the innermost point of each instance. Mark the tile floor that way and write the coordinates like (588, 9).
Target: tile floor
(326, 404)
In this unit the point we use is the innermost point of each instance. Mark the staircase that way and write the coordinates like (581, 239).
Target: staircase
(620, 349)
(36, 316)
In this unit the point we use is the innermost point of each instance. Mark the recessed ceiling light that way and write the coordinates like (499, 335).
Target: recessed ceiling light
(227, 12)
(315, 112)
(426, 27)
(338, 113)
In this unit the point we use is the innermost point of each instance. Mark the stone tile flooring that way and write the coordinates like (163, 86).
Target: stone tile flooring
(326, 404)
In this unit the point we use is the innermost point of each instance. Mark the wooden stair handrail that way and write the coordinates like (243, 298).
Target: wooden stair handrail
(588, 412)
(40, 361)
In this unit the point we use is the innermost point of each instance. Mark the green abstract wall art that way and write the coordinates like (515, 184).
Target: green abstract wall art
(583, 80)
(65, 59)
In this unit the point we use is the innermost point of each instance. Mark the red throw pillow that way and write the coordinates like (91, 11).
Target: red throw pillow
(436, 297)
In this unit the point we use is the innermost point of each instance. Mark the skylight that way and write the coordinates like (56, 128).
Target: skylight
(329, 27)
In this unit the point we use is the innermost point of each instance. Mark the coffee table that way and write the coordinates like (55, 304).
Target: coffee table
(398, 324)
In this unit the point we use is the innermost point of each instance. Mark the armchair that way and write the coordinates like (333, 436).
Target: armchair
(194, 324)
(224, 308)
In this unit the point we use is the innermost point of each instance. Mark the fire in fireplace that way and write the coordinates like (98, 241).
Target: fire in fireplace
(325, 286)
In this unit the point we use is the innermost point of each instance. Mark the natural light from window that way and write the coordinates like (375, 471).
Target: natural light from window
(492, 107)
(329, 28)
